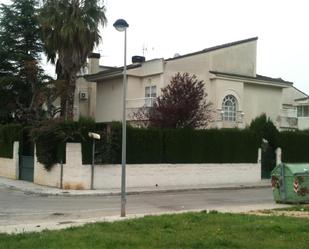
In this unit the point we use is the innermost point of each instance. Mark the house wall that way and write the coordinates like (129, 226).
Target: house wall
(303, 123)
(78, 176)
(259, 99)
(198, 65)
(109, 101)
(238, 59)
(9, 167)
(222, 88)
(290, 94)
(86, 107)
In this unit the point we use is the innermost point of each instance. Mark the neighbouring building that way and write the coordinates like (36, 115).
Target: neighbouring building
(237, 92)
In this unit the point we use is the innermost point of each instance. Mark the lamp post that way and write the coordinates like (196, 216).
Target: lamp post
(94, 137)
(121, 25)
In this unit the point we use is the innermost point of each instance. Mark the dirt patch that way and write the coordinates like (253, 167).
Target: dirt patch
(298, 214)
(74, 186)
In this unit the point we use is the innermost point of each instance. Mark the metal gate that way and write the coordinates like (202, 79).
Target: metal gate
(26, 168)
(26, 157)
(268, 160)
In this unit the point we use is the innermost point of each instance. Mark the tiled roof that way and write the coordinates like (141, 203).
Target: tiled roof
(110, 72)
(258, 77)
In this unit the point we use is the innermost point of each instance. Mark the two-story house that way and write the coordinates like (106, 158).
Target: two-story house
(237, 92)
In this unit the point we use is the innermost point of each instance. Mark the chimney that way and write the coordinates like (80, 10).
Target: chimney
(93, 63)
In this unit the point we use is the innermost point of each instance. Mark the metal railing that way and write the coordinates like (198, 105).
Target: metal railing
(140, 102)
(288, 118)
(289, 112)
(133, 105)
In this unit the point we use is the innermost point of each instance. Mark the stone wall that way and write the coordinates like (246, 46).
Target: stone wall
(75, 175)
(78, 176)
(9, 167)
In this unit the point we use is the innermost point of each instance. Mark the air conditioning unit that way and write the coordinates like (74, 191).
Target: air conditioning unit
(83, 95)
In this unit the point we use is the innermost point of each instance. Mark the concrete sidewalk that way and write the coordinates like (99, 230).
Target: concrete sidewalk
(32, 188)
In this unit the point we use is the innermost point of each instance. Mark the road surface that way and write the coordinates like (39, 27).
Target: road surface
(17, 207)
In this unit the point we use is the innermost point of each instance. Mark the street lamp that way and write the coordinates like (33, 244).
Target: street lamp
(94, 137)
(121, 25)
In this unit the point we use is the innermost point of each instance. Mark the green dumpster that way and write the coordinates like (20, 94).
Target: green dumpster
(290, 183)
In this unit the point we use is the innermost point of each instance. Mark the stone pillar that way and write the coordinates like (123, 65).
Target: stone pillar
(16, 159)
(278, 156)
(75, 174)
(259, 160)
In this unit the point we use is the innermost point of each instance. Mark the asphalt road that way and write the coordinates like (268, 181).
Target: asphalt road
(18, 208)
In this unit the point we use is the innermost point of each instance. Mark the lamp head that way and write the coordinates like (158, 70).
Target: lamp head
(93, 135)
(121, 25)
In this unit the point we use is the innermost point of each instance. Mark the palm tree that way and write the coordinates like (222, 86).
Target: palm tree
(70, 31)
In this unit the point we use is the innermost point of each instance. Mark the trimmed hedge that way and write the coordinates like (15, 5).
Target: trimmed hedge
(144, 146)
(184, 146)
(211, 146)
(295, 146)
(8, 134)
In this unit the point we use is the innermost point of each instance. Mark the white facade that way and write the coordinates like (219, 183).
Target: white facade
(237, 93)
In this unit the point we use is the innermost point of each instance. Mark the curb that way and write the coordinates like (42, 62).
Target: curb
(159, 191)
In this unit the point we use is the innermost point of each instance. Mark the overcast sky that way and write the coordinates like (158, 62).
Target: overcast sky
(166, 27)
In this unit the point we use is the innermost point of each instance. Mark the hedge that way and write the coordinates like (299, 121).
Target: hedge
(211, 146)
(8, 134)
(295, 146)
(184, 146)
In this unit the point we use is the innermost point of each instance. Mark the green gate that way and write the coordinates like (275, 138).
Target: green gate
(268, 160)
(26, 157)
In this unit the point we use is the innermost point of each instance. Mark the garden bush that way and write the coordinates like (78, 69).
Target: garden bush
(295, 146)
(8, 134)
(184, 146)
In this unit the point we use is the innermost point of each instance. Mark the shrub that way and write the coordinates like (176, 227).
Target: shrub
(294, 146)
(185, 146)
(266, 129)
(8, 134)
(51, 136)
(210, 146)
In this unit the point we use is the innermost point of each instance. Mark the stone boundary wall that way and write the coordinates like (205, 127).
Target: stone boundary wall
(78, 176)
(75, 174)
(9, 167)
(171, 175)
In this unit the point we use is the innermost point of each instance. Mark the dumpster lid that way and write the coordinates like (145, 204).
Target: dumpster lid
(298, 168)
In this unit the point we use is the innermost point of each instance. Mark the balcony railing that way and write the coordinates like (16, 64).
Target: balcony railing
(289, 113)
(134, 104)
(221, 123)
(140, 102)
(288, 118)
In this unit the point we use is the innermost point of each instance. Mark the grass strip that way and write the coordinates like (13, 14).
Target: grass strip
(191, 230)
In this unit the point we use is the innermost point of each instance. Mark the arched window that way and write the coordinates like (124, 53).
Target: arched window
(229, 108)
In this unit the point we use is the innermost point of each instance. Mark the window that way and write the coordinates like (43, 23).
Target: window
(229, 106)
(150, 95)
(303, 111)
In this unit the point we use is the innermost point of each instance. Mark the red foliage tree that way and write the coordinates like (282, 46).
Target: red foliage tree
(182, 104)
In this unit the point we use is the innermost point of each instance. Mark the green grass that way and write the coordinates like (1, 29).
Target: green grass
(190, 231)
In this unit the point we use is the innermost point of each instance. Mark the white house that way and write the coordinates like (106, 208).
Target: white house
(237, 92)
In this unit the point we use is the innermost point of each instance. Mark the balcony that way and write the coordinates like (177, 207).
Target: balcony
(134, 104)
(221, 123)
(288, 119)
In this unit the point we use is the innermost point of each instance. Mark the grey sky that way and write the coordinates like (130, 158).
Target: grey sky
(166, 27)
